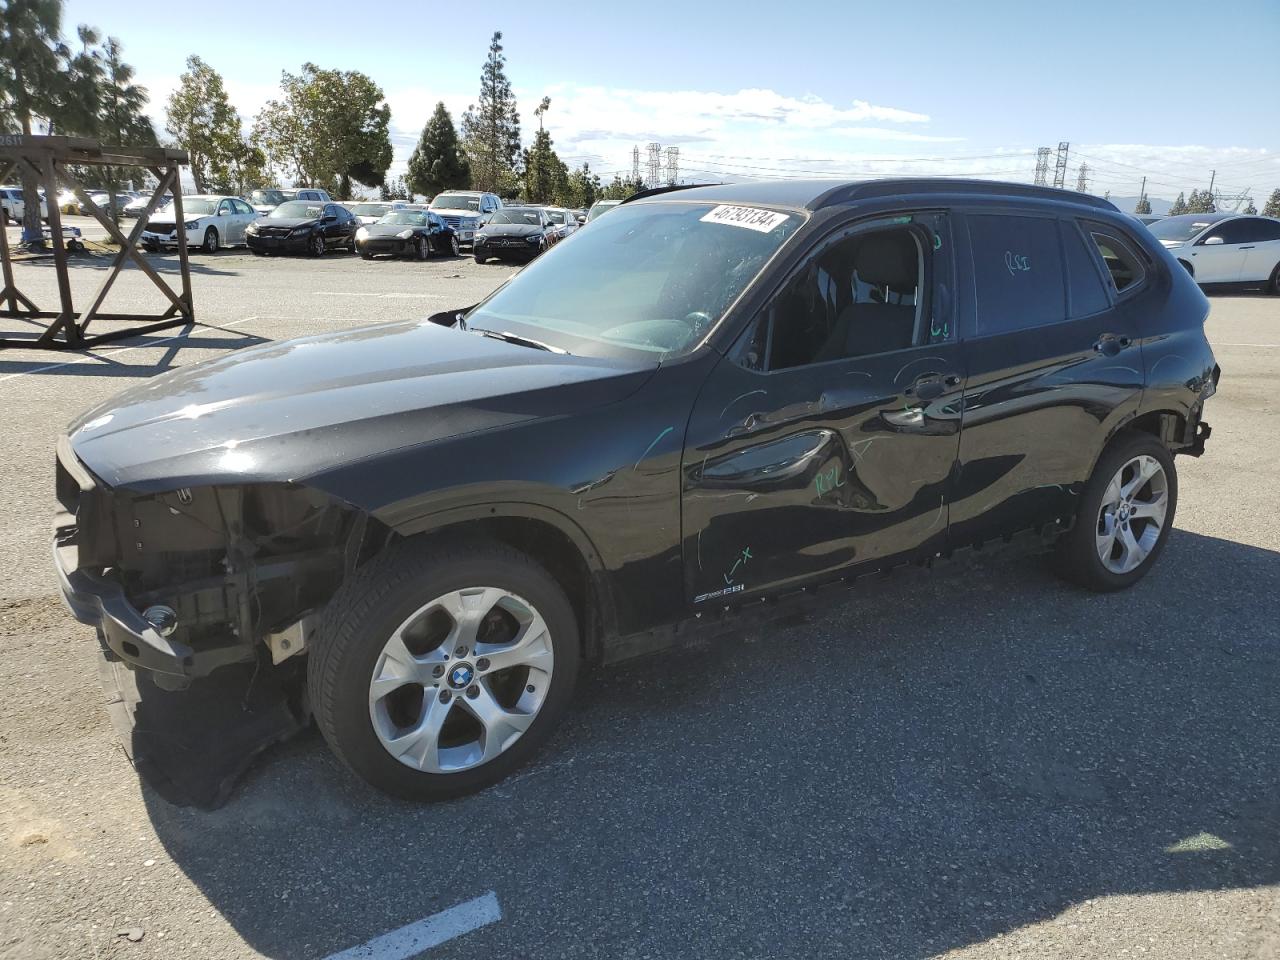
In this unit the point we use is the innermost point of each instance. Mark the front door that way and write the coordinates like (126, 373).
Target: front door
(1217, 256)
(826, 439)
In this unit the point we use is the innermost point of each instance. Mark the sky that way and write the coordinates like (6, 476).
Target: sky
(1166, 88)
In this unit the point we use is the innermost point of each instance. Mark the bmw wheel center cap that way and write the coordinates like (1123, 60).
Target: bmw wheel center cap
(461, 676)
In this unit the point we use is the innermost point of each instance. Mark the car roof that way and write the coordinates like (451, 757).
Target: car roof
(817, 194)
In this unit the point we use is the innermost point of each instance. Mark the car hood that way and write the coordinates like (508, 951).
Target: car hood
(1171, 244)
(288, 223)
(511, 230)
(299, 408)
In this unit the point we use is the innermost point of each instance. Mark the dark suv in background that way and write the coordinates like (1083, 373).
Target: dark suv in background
(715, 400)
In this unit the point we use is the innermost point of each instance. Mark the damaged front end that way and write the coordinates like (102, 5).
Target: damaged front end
(201, 597)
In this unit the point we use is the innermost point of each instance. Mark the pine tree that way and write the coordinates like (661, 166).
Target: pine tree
(1179, 206)
(1249, 209)
(1272, 206)
(1143, 206)
(201, 119)
(438, 163)
(491, 127)
(1200, 202)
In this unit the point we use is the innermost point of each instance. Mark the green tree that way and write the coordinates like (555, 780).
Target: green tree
(33, 77)
(1249, 208)
(1200, 202)
(1179, 206)
(1272, 206)
(491, 127)
(620, 189)
(329, 128)
(122, 117)
(438, 163)
(201, 119)
(584, 187)
(1143, 205)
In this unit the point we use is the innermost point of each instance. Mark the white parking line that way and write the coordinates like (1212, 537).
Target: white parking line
(430, 932)
(379, 296)
(108, 352)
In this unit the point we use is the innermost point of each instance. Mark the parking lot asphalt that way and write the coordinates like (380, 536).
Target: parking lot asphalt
(975, 762)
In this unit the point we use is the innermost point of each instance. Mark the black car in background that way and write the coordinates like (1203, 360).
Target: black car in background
(513, 233)
(407, 233)
(720, 400)
(303, 226)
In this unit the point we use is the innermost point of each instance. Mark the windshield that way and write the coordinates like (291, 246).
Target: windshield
(455, 201)
(1178, 228)
(408, 217)
(265, 197)
(296, 209)
(370, 209)
(195, 207)
(655, 279)
(515, 215)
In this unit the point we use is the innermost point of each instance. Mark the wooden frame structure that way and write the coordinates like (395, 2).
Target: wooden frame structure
(49, 160)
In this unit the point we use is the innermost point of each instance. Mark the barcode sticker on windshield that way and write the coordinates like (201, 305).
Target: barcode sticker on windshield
(753, 218)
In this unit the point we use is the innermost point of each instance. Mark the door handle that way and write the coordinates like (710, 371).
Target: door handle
(1109, 344)
(932, 387)
(1249, 247)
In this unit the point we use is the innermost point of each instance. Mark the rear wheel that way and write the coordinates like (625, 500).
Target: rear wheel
(1126, 512)
(1273, 285)
(440, 669)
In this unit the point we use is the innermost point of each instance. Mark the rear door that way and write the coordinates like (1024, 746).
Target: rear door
(826, 439)
(1262, 251)
(1054, 362)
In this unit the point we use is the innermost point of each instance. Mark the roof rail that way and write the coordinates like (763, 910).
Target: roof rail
(890, 187)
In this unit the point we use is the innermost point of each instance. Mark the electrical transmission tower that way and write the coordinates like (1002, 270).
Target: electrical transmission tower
(673, 165)
(1082, 179)
(654, 165)
(1042, 166)
(635, 164)
(1060, 171)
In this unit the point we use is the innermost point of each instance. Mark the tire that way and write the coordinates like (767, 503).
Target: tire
(480, 258)
(316, 246)
(211, 242)
(351, 247)
(455, 248)
(366, 255)
(1186, 266)
(400, 588)
(1273, 285)
(1079, 553)
(422, 250)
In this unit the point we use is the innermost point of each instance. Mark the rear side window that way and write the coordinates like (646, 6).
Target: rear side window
(1124, 267)
(1017, 267)
(1263, 230)
(1084, 282)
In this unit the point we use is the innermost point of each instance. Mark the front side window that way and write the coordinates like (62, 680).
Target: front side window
(1017, 272)
(860, 295)
(657, 277)
(1232, 231)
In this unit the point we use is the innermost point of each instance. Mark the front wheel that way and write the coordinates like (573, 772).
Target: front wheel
(211, 242)
(441, 668)
(481, 258)
(316, 246)
(422, 249)
(455, 248)
(1126, 512)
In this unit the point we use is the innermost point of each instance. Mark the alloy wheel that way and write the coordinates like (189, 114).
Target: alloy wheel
(424, 249)
(460, 680)
(1132, 515)
(455, 246)
(317, 246)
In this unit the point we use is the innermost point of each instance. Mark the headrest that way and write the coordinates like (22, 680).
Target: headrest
(888, 259)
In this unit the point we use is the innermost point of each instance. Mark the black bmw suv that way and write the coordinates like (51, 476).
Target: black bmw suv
(713, 398)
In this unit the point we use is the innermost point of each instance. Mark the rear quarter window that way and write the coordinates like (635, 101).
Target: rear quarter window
(1017, 272)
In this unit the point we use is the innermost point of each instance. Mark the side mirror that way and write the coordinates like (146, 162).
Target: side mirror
(1213, 241)
(581, 220)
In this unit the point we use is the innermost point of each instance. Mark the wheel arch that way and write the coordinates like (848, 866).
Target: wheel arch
(549, 538)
